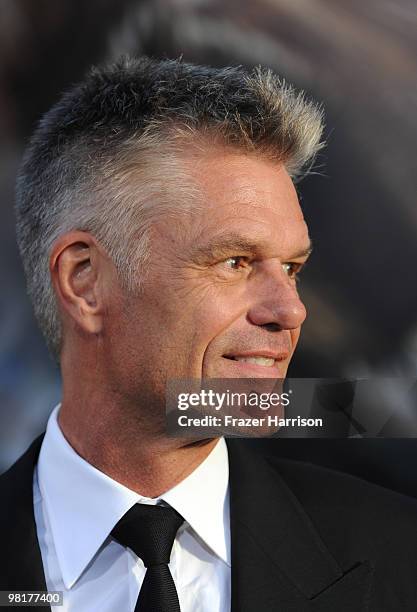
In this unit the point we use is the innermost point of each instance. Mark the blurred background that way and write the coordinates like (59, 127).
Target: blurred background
(358, 58)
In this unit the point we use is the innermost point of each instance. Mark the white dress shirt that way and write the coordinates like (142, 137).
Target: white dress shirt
(77, 506)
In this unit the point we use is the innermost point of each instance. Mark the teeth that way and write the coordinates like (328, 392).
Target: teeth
(263, 361)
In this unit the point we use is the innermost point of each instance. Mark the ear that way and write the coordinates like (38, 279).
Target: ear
(77, 265)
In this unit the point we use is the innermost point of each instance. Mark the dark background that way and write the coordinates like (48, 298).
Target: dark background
(359, 58)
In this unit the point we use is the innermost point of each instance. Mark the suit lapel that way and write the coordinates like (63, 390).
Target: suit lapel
(21, 568)
(279, 561)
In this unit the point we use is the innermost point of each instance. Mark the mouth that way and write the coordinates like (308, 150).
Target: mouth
(266, 359)
(262, 363)
(266, 362)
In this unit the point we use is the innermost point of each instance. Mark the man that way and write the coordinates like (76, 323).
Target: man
(162, 237)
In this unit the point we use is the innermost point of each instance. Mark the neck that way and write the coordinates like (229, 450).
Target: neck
(122, 440)
(148, 465)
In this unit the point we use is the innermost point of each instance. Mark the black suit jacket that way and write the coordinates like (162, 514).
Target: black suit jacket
(303, 538)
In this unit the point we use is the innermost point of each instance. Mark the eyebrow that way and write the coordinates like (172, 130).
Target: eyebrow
(237, 244)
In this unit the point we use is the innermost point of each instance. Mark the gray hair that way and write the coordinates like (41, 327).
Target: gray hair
(127, 122)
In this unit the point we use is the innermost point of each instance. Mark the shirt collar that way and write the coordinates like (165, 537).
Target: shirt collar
(203, 500)
(79, 499)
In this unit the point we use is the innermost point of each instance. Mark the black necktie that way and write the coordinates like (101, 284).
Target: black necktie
(150, 532)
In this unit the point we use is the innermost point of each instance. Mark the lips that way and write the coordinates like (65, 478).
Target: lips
(258, 363)
(265, 359)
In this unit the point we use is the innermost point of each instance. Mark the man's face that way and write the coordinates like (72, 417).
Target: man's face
(219, 299)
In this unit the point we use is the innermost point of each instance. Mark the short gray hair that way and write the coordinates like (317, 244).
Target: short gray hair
(130, 119)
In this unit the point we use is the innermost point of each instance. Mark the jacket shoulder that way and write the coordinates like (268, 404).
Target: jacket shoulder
(16, 482)
(22, 567)
(352, 515)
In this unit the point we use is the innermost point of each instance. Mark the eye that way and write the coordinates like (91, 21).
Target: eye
(236, 262)
(292, 270)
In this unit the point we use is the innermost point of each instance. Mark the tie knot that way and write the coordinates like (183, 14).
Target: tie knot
(149, 531)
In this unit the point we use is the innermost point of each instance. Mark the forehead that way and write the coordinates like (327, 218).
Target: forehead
(249, 196)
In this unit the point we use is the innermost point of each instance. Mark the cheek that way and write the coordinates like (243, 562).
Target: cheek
(295, 335)
(217, 311)
(207, 324)
(184, 317)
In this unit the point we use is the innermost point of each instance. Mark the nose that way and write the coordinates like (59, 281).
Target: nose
(276, 302)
